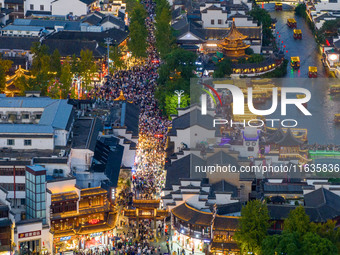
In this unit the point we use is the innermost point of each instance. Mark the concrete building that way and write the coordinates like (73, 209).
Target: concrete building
(34, 123)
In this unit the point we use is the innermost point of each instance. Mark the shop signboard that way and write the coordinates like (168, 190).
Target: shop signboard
(29, 234)
(65, 238)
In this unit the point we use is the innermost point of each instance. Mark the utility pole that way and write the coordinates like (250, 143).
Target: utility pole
(108, 42)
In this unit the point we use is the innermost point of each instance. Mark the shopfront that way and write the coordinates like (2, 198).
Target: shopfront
(66, 243)
(32, 238)
(189, 243)
(94, 240)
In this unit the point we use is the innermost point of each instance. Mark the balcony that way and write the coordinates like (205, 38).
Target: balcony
(190, 232)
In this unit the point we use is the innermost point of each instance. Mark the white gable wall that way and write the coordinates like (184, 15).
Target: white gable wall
(64, 7)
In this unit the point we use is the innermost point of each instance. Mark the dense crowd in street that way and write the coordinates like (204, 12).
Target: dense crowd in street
(138, 85)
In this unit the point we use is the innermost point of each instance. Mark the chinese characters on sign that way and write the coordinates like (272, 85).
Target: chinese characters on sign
(30, 234)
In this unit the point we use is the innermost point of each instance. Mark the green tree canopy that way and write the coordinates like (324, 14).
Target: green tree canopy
(223, 68)
(165, 40)
(263, 17)
(55, 63)
(137, 43)
(87, 67)
(5, 65)
(297, 221)
(253, 226)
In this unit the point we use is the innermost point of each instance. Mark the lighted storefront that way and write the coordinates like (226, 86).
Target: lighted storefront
(94, 240)
(66, 243)
(188, 242)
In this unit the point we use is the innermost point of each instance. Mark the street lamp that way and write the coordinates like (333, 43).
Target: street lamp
(179, 95)
(108, 42)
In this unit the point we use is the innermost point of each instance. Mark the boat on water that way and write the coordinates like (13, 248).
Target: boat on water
(312, 72)
(297, 34)
(295, 62)
(278, 6)
(334, 89)
(337, 118)
(291, 23)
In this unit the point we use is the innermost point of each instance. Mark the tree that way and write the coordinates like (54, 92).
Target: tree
(5, 65)
(175, 74)
(137, 43)
(287, 243)
(39, 51)
(65, 78)
(297, 221)
(253, 226)
(328, 230)
(313, 244)
(263, 17)
(138, 32)
(165, 39)
(223, 69)
(55, 63)
(87, 66)
(74, 64)
(171, 103)
(117, 57)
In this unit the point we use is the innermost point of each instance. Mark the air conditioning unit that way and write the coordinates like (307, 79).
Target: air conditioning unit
(33, 117)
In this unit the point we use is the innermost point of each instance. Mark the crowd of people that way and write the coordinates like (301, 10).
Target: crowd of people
(138, 85)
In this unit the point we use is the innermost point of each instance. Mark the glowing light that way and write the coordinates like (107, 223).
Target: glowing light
(333, 57)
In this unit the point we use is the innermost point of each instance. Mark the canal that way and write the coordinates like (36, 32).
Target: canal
(321, 126)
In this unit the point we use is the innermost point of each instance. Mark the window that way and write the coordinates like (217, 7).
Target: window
(10, 142)
(219, 21)
(41, 7)
(27, 142)
(38, 116)
(250, 148)
(212, 22)
(26, 116)
(31, 7)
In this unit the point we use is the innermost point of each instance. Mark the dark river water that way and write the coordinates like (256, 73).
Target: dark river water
(321, 126)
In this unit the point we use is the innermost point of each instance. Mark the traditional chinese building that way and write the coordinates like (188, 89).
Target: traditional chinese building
(203, 231)
(286, 146)
(146, 209)
(233, 45)
(11, 89)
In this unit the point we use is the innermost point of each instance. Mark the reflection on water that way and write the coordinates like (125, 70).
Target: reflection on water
(321, 127)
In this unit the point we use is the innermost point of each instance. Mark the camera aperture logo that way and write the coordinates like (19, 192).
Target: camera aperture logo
(238, 99)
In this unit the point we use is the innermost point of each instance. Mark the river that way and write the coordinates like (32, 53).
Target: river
(321, 127)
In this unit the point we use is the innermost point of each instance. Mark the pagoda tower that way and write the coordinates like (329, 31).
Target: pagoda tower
(232, 45)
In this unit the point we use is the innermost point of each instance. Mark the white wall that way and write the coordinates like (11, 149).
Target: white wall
(191, 136)
(64, 7)
(45, 237)
(81, 159)
(60, 137)
(37, 143)
(51, 167)
(36, 5)
(108, 25)
(325, 5)
(214, 15)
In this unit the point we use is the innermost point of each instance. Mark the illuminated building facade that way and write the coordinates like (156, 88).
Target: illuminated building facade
(233, 45)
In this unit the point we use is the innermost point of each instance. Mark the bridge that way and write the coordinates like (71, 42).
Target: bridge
(319, 154)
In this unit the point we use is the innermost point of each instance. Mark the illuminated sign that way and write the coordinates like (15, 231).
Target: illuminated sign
(65, 238)
(30, 234)
(94, 221)
(113, 193)
(96, 234)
